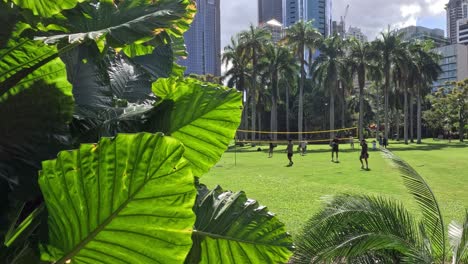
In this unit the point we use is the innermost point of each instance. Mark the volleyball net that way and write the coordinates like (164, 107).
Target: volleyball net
(323, 136)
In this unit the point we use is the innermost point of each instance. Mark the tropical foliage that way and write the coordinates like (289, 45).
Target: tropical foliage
(366, 229)
(79, 72)
(383, 80)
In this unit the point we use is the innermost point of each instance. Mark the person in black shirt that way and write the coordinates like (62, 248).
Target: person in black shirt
(290, 149)
(335, 148)
(364, 154)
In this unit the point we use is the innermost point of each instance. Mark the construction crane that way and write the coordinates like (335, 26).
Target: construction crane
(343, 18)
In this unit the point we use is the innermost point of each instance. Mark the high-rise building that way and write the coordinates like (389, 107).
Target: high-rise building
(317, 10)
(203, 40)
(338, 28)
(462, 31)
(454, 64)
(275, 28)
(355, 32)
(411, 33)
(456, 9)
(270, 9)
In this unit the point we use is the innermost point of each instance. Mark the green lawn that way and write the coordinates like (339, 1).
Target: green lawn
(294, 193)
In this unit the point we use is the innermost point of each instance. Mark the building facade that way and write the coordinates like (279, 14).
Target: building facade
(338, 28)
(422, 33)
(270, 9)
(317, 10)
(462, 31)
(203, 40)
(456, 10)
(275, 28)
(454, 64)
(355, 32)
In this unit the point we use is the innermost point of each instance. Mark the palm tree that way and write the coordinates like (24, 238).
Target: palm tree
(403, 62)
(278, 62)
(367, 229)
(389, 47)
(299, 37)
(235, 60)
(327, 69)
(362, 55)
(428, 70)
(252, 42)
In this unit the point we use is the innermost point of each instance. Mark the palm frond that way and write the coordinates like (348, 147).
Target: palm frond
(458, 237)
(424, 196)
(358, 227)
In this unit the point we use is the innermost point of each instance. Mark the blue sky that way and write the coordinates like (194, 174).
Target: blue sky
(372, 16)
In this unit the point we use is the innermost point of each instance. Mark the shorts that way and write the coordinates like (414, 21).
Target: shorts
(290, 155)
(364, 156)
(334, 149)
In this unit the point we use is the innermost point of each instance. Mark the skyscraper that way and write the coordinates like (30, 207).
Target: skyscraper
(317, 10)
(203, 40)
(270, 9)
(456, 10)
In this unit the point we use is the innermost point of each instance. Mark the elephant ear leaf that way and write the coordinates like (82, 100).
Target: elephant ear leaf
(126, 199)
(35, 107)
(231, 228)
(46, 8)
(203, 116)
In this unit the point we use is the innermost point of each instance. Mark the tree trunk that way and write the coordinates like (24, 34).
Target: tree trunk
(418, 98)
(361, 112)
(405, 106)
(397, 124)
(332, 111)
(287, 109)
(254, 93)
(301, 96)
(386, 89)
(343, 106)
(411, 117)
(274, 109)
(254, 114)
(461, 123)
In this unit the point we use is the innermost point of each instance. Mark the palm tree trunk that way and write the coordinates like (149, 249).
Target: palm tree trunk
(418, 98)
(461, 123)
(274, 109)
(301, 96)
(332, 112)
(397, 123)
(386, 89)
(254, 91)
(361, 112)
(405, 106)
(287, 108)
(411, 118)
(343, 106)
(254, 114)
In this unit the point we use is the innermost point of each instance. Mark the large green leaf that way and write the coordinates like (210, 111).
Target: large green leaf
(35, 107)
(46, 8)
(233, 229)
(203, 116)
(136, 26)
(125, 200)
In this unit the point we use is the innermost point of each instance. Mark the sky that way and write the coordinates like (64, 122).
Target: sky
(372, 16)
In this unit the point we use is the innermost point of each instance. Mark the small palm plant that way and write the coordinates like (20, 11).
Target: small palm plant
(365, 229)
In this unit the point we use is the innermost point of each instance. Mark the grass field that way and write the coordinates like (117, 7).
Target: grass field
(294, 193)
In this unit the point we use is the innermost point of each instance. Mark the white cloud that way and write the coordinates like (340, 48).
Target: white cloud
(436, 7)
(410, 10)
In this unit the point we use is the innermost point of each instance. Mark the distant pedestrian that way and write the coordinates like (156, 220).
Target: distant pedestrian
(385, 142)
(364, 154)
(351, 141)
(303, 147)
(374, 145)
(290, 150)
(270, 149)
(335, 148)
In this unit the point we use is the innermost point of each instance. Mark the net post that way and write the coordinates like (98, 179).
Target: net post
(235, 151)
